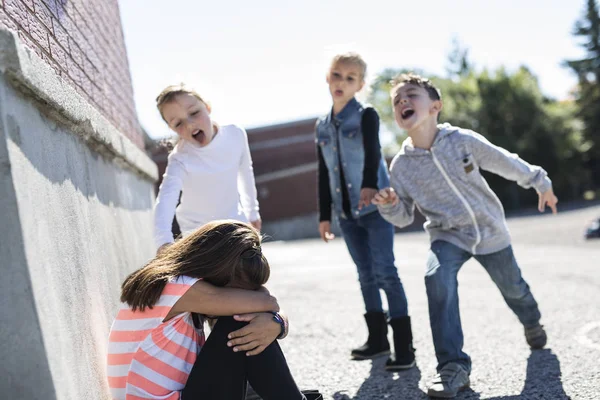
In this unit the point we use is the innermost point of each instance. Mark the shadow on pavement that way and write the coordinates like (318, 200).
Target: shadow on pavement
(382, 384)
(543, 380)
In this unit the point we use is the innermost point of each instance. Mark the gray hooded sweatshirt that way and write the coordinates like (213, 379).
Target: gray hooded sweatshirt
(445, 184)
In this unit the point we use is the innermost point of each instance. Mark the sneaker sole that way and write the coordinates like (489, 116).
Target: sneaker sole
(448, 395)
(358, 357)
(400, 367)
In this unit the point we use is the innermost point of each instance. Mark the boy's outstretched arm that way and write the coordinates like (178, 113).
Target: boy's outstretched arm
(510, 166)
(394, 205)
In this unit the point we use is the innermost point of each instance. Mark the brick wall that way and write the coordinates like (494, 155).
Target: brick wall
(83, 42)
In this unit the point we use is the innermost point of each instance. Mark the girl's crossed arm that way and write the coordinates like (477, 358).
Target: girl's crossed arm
(204, 298)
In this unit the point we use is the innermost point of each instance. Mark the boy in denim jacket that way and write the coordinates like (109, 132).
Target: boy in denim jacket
(351, 169)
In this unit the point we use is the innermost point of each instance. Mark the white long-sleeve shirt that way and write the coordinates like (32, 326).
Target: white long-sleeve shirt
(216, 182)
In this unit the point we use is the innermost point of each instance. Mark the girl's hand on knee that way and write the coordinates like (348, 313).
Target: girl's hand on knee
(260, 332)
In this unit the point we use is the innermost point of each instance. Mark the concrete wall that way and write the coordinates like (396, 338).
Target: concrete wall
(75, 214)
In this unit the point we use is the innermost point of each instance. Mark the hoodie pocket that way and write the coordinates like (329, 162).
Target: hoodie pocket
(466, 168)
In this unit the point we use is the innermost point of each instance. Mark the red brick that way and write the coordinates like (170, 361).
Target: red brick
(18, 12)
(43, 14)
(29, 42)
(52, 7)
(75, 34)
(76, 52)
(58, 53)
(82, 40)
(74, 71)
(28, 3)
(97, 95)
(61, 35)
(7, 21)
(67, 5)
(52, 63)
(38, 32)
(89, 69)
(86, 84)
(93, 57)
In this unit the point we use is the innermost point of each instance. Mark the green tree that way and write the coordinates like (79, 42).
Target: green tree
(588, 91)
(515, 115)
(459, 64)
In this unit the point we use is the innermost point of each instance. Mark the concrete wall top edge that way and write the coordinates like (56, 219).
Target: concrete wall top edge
(32, 76)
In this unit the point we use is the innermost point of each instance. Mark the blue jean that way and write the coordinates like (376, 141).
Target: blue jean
(370, 241)
(445, 260)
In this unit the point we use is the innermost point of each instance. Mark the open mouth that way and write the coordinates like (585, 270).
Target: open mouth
(199, 136)
(407, 113)
(339, 93)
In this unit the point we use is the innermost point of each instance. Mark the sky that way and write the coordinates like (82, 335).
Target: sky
(263, 62)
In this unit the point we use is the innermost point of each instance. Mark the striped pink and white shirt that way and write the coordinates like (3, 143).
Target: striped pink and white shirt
(149, 358)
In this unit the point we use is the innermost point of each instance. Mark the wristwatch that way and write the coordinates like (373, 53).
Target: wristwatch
(279, 319)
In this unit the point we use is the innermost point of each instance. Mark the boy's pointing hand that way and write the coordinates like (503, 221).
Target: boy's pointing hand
(547, 198)
(386, 196)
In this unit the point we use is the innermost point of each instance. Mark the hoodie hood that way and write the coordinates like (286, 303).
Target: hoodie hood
(444, 130)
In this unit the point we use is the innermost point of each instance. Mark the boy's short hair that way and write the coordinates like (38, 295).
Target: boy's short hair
(351, 58)
(418, 80)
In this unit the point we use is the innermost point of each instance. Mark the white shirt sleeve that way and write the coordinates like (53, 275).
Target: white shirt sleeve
(166, 202)
(246, 183)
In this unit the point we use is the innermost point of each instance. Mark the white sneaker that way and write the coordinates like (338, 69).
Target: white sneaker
(449, 381)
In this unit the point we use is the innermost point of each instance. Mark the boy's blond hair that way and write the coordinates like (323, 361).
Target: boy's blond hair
(170, 92)
(351, 58)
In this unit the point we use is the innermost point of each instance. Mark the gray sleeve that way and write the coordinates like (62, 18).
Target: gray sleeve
(508, 165)
(403, 213)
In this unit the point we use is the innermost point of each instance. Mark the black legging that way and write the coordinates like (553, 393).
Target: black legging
(220, 373)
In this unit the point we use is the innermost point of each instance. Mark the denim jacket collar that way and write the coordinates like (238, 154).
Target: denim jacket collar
(348, 109)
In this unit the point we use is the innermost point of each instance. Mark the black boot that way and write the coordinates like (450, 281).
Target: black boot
(377, 343)
(403, 345)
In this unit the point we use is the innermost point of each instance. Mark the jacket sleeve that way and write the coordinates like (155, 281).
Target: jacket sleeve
(166, 202)
(508, 165)
(370, 128)
(246, 182)
(403, 213)
(324, 193)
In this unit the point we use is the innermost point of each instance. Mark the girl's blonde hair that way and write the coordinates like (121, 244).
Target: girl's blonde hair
(220, 252)
(170, 92)
(350, 58)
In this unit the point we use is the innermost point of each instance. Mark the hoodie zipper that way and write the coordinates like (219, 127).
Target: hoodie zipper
(462, 199)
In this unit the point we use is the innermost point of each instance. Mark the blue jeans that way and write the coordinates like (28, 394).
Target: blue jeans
(370, 241)
(445, 260)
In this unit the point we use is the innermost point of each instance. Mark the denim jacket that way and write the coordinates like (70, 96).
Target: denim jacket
(341, 141)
